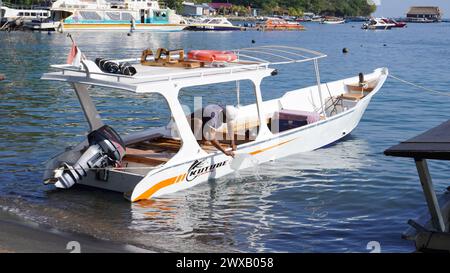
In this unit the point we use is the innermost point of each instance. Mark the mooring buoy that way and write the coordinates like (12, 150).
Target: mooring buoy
(345, 50)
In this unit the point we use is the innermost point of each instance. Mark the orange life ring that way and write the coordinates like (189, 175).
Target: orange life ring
(212, 56)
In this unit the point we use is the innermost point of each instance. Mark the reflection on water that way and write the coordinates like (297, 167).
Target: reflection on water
(334, 199)
(244, 212)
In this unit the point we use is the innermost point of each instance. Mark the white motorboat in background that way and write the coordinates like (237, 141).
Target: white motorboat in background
(378, 24)
(163, 160)
(213, 24)
(333, 21)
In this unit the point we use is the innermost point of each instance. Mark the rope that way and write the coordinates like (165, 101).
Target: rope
(421, 87)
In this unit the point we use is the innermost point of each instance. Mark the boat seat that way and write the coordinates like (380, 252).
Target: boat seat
(358, 88)
(352, 96)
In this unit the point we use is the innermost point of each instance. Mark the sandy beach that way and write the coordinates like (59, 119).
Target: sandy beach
(21, 236)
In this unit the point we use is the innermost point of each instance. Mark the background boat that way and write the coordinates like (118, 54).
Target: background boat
(279, 24)
(212, 24)
(333, 21)
(128, 15)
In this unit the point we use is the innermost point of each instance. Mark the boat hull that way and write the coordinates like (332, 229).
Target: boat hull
(278, 28)
(181, 173)
(212, 28)
(304, 139)
(125, 27)
(333, 22)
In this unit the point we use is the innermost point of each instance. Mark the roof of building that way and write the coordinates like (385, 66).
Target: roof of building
(425, 10)
(220, 5)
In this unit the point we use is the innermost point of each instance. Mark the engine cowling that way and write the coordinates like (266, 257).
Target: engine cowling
(106, 149)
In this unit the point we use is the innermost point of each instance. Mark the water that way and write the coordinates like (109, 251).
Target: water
(336, 199)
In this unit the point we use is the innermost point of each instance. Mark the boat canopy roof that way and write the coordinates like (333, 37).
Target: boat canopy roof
(252, 64)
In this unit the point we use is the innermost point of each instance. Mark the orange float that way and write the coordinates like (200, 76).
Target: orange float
(212, 56)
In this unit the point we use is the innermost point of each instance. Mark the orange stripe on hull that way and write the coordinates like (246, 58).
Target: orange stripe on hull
(179, 178)
(270, 147)
(159, 186)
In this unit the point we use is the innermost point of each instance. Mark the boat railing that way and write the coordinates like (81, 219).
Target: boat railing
(279, 55)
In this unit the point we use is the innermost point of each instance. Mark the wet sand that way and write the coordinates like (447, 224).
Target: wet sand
(21, 236)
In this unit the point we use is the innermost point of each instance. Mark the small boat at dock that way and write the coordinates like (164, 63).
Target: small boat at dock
(166, 159)
(377, 24)
(332, 21)
(279, 24)
(213, 24)
(395, 23)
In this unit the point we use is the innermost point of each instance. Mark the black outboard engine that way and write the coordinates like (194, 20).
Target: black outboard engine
(106, 149)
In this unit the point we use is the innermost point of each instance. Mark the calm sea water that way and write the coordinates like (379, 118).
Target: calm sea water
(336, 199)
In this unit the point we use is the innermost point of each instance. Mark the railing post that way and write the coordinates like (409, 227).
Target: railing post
(316, 68)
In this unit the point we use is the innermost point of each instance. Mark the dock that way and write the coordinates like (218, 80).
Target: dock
(431, 230)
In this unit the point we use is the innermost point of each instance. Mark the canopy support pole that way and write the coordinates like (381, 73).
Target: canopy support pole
(238, 92)
(88, 106)
(316, 68)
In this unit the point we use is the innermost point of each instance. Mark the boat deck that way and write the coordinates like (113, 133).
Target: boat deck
(160, 150)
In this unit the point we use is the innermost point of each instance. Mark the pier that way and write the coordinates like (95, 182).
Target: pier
(430, 231)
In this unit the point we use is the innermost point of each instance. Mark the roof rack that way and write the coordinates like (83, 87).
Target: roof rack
(250, 60)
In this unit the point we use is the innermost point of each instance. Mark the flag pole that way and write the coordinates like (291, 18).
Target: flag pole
(70, 36)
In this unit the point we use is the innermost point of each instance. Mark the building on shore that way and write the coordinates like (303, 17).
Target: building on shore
(193, 9)
(424, 14)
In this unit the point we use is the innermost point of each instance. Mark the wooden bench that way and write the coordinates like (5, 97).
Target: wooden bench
(352, 96)
(147, 157)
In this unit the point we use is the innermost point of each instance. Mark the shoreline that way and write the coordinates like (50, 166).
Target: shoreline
(18, 235)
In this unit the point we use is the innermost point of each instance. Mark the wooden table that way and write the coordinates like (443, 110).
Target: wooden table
(433, 144)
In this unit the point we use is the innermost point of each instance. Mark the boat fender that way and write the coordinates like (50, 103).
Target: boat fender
(127, 69)
(109, 66)
(212, 56)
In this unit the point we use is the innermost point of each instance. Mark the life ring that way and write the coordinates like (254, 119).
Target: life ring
(212, 56)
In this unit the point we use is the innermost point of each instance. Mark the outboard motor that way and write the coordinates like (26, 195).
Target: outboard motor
(106, 149)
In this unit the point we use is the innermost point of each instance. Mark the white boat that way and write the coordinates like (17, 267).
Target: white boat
(11, 14)
(164, 160)
(124, 15)
(333, 21)
(213, 24)
(378, 24)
